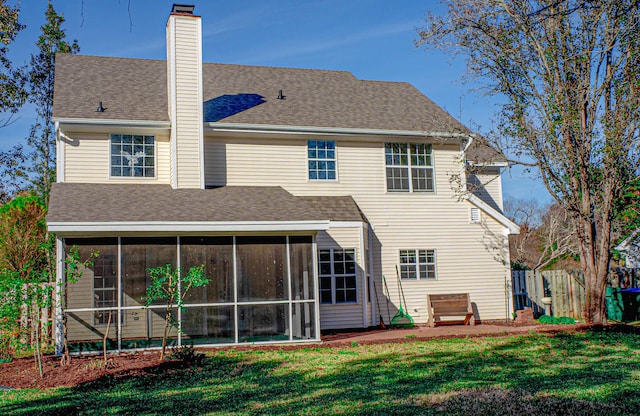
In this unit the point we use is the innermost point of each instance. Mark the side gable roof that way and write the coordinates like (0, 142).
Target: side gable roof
(136, 89)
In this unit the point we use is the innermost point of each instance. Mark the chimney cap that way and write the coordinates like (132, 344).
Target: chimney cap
(183, 8)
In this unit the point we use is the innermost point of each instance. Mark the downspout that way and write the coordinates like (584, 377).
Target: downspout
(365, 288)
(59, 152)
(373, 293)
(58, 293)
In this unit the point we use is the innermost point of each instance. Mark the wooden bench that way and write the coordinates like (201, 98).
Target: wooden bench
(456, 304)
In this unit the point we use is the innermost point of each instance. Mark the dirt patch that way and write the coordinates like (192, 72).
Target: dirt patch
(22, 373)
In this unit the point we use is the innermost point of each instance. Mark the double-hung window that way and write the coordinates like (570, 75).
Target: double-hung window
(322, 159)
(418, 264)
(409, 167)
(132, 156)
(338, 281)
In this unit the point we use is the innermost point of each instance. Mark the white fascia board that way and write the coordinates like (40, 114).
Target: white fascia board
(116, 126)
(186, 226)
(495, 214)
(282, 129)
(345, 224)
(112, 122)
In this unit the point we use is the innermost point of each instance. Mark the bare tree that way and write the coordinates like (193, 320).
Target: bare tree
(547, 234)
(567, 71)
(524, 246)
(556, 237)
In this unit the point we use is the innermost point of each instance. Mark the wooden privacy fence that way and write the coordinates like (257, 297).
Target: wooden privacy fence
(564, 287)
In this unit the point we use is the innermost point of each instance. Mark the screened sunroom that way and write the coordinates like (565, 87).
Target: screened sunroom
(257, 245)
(261, 289)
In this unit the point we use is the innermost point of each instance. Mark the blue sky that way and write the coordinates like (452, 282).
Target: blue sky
(373, 39)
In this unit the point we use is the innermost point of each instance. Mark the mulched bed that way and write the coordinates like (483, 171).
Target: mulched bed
(22, 373)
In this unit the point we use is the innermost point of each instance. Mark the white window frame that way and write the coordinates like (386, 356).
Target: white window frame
(410, 166)
(98, 318)
(333, 275)
(322, 159)
(405, 267)
(132, 176)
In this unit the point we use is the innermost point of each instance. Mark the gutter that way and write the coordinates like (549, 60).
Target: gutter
(266, 128)
(70, 227)
(87, 122)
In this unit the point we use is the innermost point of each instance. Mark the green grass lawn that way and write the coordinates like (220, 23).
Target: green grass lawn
(583, 373)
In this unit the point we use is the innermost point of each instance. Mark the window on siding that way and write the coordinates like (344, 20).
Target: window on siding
(321, 159)
(337, 274)
(132, 156)
(418, 264)
(104, 287)
(409, 167)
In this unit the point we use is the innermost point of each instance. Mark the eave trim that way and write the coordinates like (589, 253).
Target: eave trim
(186, 226)
(495, 214)
(267, 128)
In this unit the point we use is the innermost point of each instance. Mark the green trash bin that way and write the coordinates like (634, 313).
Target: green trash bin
(614, 304)
(623, 304)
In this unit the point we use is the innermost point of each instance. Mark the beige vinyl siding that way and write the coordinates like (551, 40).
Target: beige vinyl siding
(81, 324)
(343, 315)
(134, 324)
(86, 160)
(188, 104)
(401, 220)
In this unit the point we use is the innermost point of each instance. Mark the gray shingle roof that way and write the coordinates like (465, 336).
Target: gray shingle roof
(80, 202)
(335, 208)
(136, 89)
(130, 89)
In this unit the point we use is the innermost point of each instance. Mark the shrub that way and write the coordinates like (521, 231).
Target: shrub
(556, 320)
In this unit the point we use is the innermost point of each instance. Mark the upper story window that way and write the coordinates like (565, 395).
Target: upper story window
(409, 167)
(322, 159)
(132, 156)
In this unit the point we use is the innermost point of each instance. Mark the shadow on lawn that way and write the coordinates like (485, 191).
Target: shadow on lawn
(505, 378)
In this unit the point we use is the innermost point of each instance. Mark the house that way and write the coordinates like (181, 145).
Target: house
(629, 248)
(297, 189)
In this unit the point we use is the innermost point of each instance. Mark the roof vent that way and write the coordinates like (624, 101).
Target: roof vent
(182, 9)
(100, 108)
(281, 95)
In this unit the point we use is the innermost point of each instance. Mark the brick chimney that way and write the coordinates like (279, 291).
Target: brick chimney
(184, 82)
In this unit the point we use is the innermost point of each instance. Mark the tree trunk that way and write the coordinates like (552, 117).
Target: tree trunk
(595, 264)
(167, 320)
(66, 358)
(105, 338)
